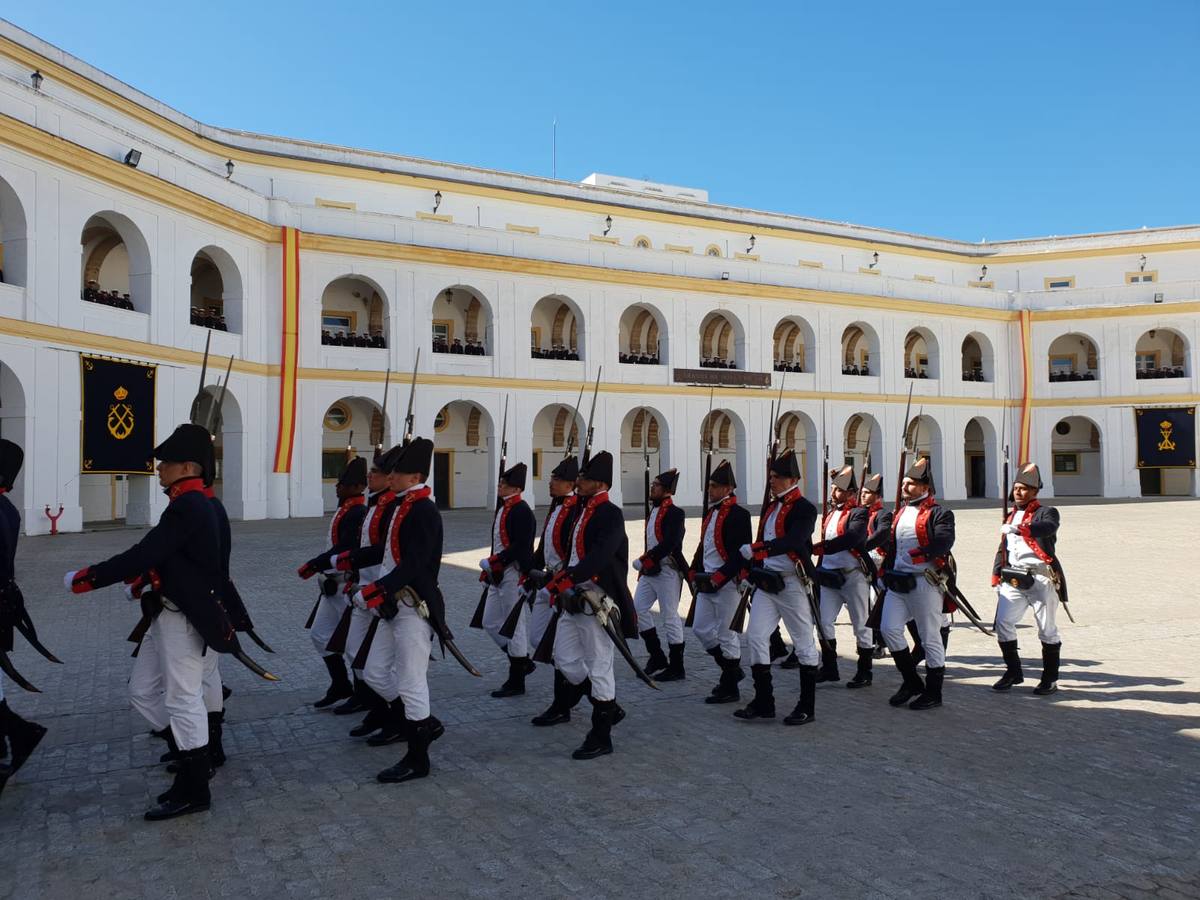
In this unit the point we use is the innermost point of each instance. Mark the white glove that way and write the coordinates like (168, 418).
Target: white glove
(68, 578)
(1008, 528)
(637, 565)
(358, 600)
(747, 551)
(543, 596)
(333, 562)
(486, 565)
(127, 590)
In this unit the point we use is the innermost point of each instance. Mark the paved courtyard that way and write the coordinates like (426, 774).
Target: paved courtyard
(1092, 792)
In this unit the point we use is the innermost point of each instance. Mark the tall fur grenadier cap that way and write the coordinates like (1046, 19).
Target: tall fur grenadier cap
(723, 474)
(567, 470)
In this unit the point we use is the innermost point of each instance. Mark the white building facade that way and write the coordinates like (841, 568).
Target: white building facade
(324, 267)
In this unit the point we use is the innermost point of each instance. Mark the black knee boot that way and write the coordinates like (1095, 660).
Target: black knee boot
(1012, 674)
(216, 747)
(598, 741)
(518, 668)
(376, 717)
(23, 736)
(1050, 659)
(918, 650)
(190, 793)
(414, 763)
(674, 670)
(806, 708)
(912, 685)
(395, 726)
(829, 665)
(777, 648)
(945, 631)
(862, 677)
(931, 697)
(560, 708)
(339, 682)
(658, 660)
(359, 700)
(172, 755)
(726, 690)
(763, 704)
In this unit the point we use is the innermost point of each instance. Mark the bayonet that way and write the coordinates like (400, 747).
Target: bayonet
(214, 410)
(412, 392)
(573, 430)
(587, 447)
(194, 418)
(387, 382)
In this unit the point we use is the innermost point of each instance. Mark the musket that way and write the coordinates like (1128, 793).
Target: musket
(215, 408)
(412, 392)
(194, 417)
(573, 431)
(477, 618)
(646, 490)
(1004, 489)
(867, 452)
(824, 465)
(387, 380)
(708, 452)
(587, 447)
(903, 453)
(350, 446)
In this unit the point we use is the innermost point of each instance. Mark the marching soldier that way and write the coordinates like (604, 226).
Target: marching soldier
(1028, 574)
(599, 560)
(512, 540)
(21, 737)
(409, 602)
(921, 540)
(879, 533)
(550, 557)
(843, 576)
(363, 565)
(184, 552)
(660, 577)
(777, 561)
(714, 572)
(345, 531)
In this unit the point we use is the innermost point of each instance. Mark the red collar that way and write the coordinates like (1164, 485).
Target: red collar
(665, 502)
(358, 500)
(513, 500)
(185, 486)
(596, 499)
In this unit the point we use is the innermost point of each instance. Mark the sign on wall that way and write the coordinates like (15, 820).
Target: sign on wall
(117, 431)
(1166, 438)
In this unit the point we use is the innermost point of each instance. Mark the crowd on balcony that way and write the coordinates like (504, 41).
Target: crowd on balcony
(558, 351)
(972, 375)
(856, 370)
(107, 298)
(1073, 376)
(1162, 372)
(640, 359)
(716, 362)
(349, 339)
(783, 366)
(910, 372)
(207, 318)
(470, 348)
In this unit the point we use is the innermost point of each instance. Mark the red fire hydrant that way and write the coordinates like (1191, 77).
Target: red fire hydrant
(54, 518)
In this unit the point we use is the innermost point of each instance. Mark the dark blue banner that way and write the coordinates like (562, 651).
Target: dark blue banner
(1166, 438)
(117, 431)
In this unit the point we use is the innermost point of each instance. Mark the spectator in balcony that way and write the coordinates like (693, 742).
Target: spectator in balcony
(456, 346)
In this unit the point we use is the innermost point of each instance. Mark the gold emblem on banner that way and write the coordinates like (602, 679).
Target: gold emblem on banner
(120, 416)
(1165, 427)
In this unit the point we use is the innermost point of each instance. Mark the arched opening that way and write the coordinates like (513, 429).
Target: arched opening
(862, 437)
(354, 313)
(977, 359)
(722, 431)
(797, 432)
(1073, 357)
(216, 291)
(792, 345)
(722, 342)
(463, 473)
(462, 322)
(642, 337)
(925, 437)
(1161, 353)
(1076, 465)
(553, 432)
(227, 446)
(12, 427)
(556, 329)
(860, 348)
(351, 426)
(14, 237)
(920, 354)
(979, 459)
(643, 432)
(116, 263)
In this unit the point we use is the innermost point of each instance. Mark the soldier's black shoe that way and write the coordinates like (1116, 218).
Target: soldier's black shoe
(763, 704)
(792, 661)
(1012, 660)
(829, 664)
(805, 711)
(931, 697)
(339, 682)
(375, 718)
(726, 690)
(598, 741)
(674, 670)
(514, 686)
(415, 763)
(777, 648)
(395, 726)
(559, 711)
(190, 794)
(912, 685)
(358, 702)
(862, 677)
(23, 737)
(1051, 654)
(658, 660)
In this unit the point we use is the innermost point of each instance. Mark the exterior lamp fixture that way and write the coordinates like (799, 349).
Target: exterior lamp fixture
(132, 158)
(874, 260)
(753, 240)
(607, 225)
(36, 79)
(437, 201)
(1142, 263)
(228, 168)
(724, 276)
(982, 272)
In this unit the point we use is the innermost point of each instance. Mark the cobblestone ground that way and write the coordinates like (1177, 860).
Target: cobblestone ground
(1094, 792)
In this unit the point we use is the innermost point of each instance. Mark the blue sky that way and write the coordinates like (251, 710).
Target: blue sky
(959, 119)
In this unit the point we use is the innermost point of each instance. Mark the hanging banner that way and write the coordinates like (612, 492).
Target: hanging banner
(1166, 438)
(117, 432)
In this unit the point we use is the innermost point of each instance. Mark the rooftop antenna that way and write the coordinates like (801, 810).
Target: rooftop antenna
(554, 148)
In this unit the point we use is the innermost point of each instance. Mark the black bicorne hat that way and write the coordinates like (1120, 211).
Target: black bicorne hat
(189, 443)
(843, 478)
(786, 465)
(415, 459)
(567, 470)
(921, 471)
(11, 458)
(723, 474)
(599, 468)
(515, 477)
(355, 472)
(668, 479)
(873, 483)
(1029, 476)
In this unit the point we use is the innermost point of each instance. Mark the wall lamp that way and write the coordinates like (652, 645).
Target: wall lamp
(607, 225)
(874, 260)
(1142, 263)
(132, 158)
(753, 241)
(36, 79)
(982, 272)
(437, 201)
(228, 168)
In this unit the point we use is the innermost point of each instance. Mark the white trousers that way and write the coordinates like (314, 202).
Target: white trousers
(664, 587)
(538, 618)
(214, 695)
(582, 650)
(923, 605)
(1013, 603)
(855, 595)
(360, 621)
(710, 624)
(398, 664)
(792, 606)
(167, 683)
(499, 603)
(329, 614)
